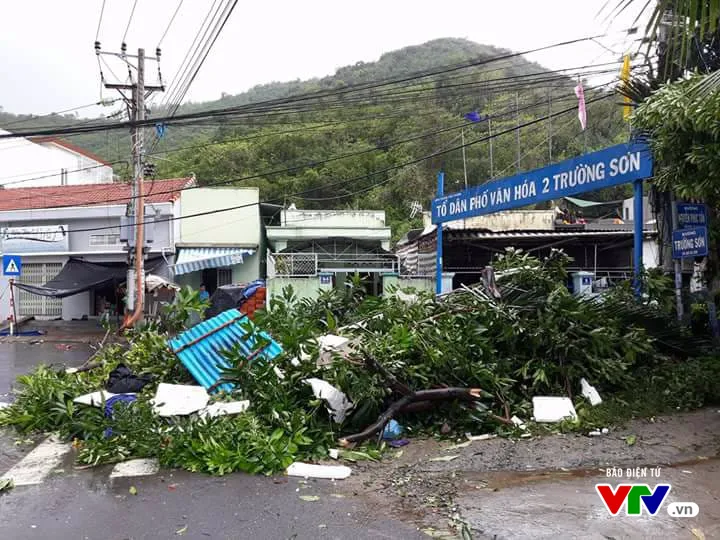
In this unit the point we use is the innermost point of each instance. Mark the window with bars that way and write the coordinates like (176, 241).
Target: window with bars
(111, 239)
(224, 276)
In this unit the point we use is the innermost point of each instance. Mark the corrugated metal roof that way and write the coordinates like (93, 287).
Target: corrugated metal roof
(201, 258)
(519, 235)
(199, 348)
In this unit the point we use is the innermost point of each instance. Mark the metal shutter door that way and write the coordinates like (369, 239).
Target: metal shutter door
(33, 305)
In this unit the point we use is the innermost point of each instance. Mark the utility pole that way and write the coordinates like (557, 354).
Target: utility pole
(490, 140)
(517, 131)
(549, 125)
(462, 136)
(136, 207)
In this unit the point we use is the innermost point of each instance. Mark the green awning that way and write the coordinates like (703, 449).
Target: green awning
(582, 203)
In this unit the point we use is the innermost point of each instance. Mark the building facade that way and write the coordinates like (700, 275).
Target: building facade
(52, 226)
(48, 161)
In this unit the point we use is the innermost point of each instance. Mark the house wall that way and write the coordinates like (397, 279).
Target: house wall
(80, 243)
(514, 220)
(241, 227)
(24, 162)
(303, 287)
(419, 283)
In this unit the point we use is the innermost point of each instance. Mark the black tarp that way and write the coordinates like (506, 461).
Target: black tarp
(78, 276)
(231, 297)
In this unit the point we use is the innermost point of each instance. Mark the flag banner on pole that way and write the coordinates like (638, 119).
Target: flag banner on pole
(582, 113)
(625, 78)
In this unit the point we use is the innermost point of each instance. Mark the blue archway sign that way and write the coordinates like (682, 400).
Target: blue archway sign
(619, 164)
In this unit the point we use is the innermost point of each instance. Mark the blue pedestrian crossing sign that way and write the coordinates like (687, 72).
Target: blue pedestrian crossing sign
(12, 265)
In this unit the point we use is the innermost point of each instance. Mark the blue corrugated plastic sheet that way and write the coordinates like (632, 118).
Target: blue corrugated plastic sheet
(199, 347)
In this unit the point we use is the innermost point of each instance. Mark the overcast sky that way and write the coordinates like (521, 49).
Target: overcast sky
(46, 46)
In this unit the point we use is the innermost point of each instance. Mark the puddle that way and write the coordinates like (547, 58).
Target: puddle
(505, 479)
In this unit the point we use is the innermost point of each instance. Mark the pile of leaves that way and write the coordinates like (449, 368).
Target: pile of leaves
(528, 336)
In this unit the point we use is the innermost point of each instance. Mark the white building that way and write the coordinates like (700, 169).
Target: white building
(49, 161)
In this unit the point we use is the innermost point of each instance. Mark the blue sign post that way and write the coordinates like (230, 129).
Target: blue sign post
(690, 243)
(620, 164)
(12, 265)
(439, 243)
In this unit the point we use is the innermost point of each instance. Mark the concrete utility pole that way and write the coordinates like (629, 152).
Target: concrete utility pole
(136, 207)
(517, 131)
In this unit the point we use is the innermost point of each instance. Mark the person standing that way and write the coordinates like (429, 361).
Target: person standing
(204, 295)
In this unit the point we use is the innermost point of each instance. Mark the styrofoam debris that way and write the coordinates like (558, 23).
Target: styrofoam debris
(483, 437)
(590, 392)
(407, 298)
(595, 433)
(330, 345)
(225, 408)
(553, 409)
(605, 431)
(94, 399)
(329, 472)
(71, 370)
(339, 404)
(334, 453)
(179, 399)
(517, 422)
(4, 405)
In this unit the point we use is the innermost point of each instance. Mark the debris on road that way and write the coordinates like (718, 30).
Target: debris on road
(483, 437)
(123, 381)
(328, 472)
(95, 399)
(179, 399)
(589, 392)
(6, 484)
(133, 490)
(553, 409)
(339, 405)
(445, 458)
(309, 498)
(200, 348)
(392, 431)
(224, 408)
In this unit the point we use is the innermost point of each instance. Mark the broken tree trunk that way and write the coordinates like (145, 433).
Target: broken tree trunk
(436, 394)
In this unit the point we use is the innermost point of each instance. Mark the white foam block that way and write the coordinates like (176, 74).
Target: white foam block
(179, 399)
(329, 472)
(135, 467)
(553, 409)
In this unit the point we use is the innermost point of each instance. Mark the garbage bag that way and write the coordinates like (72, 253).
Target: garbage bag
(123, 381)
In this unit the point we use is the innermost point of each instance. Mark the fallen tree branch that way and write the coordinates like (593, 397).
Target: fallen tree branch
(436, 394)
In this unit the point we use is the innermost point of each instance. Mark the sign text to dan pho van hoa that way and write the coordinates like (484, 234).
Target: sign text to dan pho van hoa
(612, 166)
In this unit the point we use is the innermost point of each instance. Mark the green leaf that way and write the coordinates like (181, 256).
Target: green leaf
(631, 440)
(133, 490)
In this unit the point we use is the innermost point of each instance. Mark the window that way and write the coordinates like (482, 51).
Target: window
(224, 276)
(105, 239)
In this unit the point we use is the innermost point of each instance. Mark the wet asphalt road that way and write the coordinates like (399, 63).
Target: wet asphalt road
(88, 504)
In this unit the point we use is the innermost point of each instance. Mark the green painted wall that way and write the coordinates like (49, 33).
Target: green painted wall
(303, 287)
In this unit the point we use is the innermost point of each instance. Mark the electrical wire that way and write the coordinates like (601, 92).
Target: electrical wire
(167, 28)
(349, 181)
(508, 112)
(102, 10)
(129, 20)
(305, 97)
(73, 109)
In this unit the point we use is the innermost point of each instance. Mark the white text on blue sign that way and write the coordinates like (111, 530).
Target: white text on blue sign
(612, 166)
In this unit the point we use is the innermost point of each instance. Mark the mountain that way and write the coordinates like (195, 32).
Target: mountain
(305, 137)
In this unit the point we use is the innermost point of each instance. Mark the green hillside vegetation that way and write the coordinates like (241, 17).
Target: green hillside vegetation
(304, 134)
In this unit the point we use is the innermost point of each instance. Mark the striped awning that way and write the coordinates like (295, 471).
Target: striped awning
(201, 258)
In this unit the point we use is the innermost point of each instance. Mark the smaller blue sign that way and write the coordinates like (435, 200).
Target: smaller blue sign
(692, 215)
(690, 243)
(325, 279)
(12, 265)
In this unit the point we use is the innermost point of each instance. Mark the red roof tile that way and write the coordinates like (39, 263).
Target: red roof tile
(70, 146)
(89, 194)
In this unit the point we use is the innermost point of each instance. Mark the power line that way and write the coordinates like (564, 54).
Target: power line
(169, 24)
(324, 161)
(129, 21)
(102, 10)
(305, 97)
(345, 181)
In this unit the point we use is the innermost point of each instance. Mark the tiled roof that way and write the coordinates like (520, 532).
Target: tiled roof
(70, 146)
(89, 194)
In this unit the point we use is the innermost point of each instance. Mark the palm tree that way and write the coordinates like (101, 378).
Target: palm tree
(687, 35)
